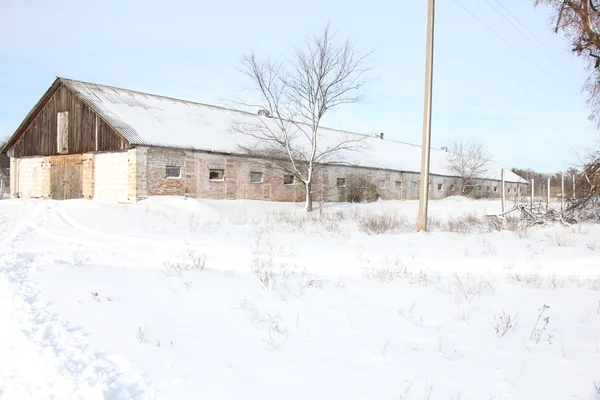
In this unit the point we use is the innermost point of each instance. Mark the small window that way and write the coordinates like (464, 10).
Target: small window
(487, 188)
(288, 179)
(452, 188)
(172, 171)
(508, 190)
(440, 186)
(398, 184)
(341, 182)
(495, 188)
(256, 177)
(62, 132)
(381, 184)
(216, 175)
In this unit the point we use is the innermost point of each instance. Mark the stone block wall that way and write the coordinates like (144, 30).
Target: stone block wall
(30, 177)
(137, 181)
(111, 176)
(88, 178)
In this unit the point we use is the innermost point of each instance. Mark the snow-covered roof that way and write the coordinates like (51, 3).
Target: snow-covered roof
(152, 120)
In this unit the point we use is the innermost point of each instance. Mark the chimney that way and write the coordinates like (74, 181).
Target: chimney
(264, 113)
(381, 136)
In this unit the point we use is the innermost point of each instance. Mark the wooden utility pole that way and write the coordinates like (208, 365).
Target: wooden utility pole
(548, 195)
(532, 192)
(426, 145)
(503, 191)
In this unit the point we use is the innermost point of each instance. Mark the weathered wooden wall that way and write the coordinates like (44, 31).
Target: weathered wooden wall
(40, 136)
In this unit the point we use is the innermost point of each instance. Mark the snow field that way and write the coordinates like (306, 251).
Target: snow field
(175, 299)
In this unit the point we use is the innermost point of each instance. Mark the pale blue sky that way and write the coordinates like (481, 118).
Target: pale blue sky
(483, 88)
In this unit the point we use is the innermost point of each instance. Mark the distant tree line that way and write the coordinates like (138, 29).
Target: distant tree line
(4, 160)
(540, 180)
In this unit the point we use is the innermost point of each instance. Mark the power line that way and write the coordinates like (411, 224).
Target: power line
(550, 57)
(504, 40)
(525, 27)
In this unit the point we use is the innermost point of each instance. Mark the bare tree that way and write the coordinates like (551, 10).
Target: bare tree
(295, 94)
(468, 160)
(579, 21)
(585, 204)
(4, 166)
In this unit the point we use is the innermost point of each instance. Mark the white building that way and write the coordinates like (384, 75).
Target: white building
(84, 140)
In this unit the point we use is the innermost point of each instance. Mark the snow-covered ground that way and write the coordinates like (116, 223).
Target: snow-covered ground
(110, 301)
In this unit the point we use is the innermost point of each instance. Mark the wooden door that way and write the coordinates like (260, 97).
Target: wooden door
(66, 176)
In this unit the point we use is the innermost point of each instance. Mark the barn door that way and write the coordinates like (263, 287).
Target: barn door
(66, 177)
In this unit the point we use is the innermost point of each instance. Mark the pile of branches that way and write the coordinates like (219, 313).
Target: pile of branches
(538, 215)
(542, 214)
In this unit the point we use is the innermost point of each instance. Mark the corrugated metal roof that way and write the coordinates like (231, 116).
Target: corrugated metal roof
(152, 120)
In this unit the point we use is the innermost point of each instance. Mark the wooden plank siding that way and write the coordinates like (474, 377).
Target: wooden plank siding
(40, 136)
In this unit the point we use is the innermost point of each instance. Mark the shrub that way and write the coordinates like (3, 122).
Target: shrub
(468, 222)
(191, 261)
(141, 334)
(382, 223)
(360, 188)
(540, 328)
(559, 240)
(505, 323)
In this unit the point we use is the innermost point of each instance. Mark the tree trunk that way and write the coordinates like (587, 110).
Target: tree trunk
(308, 207)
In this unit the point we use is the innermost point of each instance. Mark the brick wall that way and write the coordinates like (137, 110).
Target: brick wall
(136, 173)
(391, 185)
(216, 189)
(236, 183)
(384, 181)
(157, 182)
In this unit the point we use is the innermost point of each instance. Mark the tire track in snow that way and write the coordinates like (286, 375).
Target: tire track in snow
(81, 231)
(40, 356)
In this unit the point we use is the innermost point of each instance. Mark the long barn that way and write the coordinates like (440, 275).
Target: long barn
(84, 140)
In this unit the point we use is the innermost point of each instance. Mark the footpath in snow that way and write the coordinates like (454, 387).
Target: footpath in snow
(41, 355)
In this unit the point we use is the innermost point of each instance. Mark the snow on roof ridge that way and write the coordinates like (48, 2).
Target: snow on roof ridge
(155, 95)
(220, 107)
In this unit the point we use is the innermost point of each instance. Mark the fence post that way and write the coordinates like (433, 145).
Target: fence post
(548, 195)
(503, 191)
(1, 189)
(562, 191)
(531, 193)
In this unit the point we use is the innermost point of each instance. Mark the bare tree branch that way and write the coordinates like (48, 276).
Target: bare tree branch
(468, 159)
(579, 21)
(297, 93)
(584, 203)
